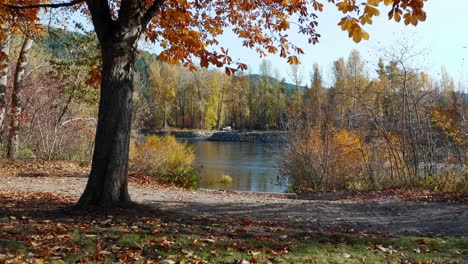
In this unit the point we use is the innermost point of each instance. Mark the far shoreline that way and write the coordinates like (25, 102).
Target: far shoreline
(267, 136)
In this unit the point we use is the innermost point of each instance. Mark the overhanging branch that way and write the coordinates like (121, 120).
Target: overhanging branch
(152, 11)
(57, 5)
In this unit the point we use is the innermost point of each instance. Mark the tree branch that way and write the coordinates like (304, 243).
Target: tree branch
(101, 17)
(152, 11)
(72, 3)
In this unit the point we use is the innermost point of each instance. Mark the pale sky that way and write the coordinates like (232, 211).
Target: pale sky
(442, 40)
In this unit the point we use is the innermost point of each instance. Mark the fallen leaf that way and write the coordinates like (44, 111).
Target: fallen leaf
(381, 248)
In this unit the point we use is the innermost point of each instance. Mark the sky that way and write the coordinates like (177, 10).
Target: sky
(441, 40)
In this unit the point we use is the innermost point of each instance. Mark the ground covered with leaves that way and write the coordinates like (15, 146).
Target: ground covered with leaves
(43, 227)
(173, 225)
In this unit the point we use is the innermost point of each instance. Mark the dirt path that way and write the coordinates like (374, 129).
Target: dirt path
(387, 215)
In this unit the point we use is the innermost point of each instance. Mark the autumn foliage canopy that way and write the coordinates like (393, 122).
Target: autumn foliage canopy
(189, 31)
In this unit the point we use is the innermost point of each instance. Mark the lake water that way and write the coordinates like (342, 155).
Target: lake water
(252, 166)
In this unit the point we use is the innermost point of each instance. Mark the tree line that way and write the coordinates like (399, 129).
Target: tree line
(414, 121)
(400, 99)
(402, 128)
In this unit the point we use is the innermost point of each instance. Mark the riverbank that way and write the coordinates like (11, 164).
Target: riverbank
(227, 136)
(394, 215)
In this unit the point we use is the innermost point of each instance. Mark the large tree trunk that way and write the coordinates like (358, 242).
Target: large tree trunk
(108, 181)
(4, 54)
(118, 38)
(16, 106)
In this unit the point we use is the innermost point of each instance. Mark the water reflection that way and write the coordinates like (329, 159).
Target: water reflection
(252, 166)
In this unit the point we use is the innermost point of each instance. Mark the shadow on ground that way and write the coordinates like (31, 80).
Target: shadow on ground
(394, 217)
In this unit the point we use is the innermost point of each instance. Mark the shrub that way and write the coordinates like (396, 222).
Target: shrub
(451, 181)
(226, 179)
(165, 158)
(324, 160)
(344, 159)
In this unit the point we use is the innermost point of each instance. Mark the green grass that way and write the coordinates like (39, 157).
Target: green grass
(184, 243)
(13, 246)
(188, 243)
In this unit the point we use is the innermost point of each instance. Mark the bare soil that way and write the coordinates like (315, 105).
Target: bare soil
(391, 215)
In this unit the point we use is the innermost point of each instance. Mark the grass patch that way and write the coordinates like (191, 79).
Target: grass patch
(12, 246)
(85, 241)
(131, 240)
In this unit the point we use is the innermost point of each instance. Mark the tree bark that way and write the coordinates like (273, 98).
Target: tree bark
(5, 53)
(108, 181)
(16, 106)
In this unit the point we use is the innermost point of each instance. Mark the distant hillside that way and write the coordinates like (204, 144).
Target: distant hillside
(289, 86)
(57, 44)
(59, 41)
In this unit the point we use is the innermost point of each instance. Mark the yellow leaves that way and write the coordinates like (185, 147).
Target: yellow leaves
(345, 7)
(346, 23)
(410, 10)
(413, 18)
(366, 20)
(447, 122)
(389, 2)
(340, 151)
(358, 34)
(371, 11)
(165, 158)
(355, 31)
(373, 2)
(293, 60)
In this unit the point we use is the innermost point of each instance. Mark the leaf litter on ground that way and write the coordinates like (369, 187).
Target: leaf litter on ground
(44, 227)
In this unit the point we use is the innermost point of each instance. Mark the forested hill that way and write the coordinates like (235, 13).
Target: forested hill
(62, 44)
(289, 86)
(59, 44)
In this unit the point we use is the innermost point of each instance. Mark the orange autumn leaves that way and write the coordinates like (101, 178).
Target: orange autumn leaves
(185, 34)
(411, 10)
(16, 21)
(190, 31)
